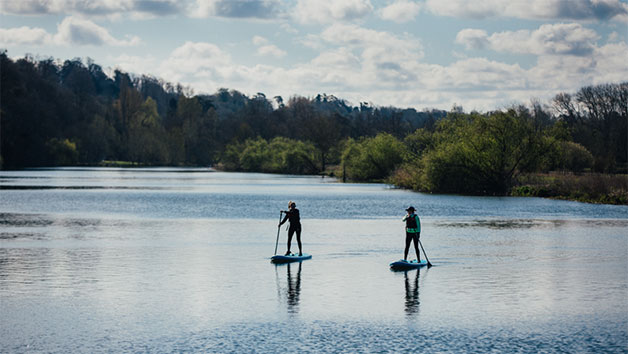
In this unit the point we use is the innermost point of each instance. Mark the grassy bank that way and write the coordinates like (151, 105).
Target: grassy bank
(589, 188)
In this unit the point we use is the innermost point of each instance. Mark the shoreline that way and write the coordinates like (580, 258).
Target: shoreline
(603, 189)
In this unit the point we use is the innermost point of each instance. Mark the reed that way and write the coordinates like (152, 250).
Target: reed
(589, 187)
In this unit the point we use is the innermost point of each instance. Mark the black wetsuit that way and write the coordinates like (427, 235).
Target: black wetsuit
(295, 226)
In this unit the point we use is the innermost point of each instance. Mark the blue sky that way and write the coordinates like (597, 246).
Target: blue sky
(482, 55)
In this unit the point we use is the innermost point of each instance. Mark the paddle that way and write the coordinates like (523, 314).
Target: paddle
(428, 261)
(279, 228)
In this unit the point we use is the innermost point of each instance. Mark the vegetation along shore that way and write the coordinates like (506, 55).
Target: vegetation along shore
(72, 113)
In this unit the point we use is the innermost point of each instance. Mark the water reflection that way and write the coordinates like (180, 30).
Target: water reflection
(412, 292)
(506, 224)
(293, 285)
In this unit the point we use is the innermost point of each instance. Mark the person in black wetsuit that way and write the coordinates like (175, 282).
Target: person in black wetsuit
(292, 214)
(413, 232)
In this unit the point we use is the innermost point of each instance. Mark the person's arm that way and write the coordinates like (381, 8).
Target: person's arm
(405, 218)
(285, 218)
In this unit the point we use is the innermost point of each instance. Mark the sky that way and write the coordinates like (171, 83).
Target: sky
(479, 54)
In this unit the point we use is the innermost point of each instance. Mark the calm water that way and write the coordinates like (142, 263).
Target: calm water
(171, 260)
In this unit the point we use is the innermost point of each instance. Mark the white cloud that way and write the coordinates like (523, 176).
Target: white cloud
(466, 9)
(271, 50)
(328, 11)
(71, 31)
(259, 40)
(557, 39)
(135, 8)
(375, 46)
(341, 57)
(473, 38)
(24, 35)
(260, 9)
(473, 73)
(346, 69)
(599, 10)
(401, 11)
(76, 31)
(285, 27)
(610, 63)
(194, 61)
(267, 49)
(134, 64)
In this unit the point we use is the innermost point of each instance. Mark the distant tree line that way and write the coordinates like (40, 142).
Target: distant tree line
(72, 113)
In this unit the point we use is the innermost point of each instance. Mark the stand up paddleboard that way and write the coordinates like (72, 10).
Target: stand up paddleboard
(290, 258)
(404, 265)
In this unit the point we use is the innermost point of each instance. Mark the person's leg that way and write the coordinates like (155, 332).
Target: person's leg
(290, 233)
(299, 241)
(416, 246)
(408, 240)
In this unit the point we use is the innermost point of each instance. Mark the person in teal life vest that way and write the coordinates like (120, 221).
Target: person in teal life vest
(413, 232)
(292, 214)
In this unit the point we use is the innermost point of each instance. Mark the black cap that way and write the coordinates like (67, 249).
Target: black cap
(410, 208)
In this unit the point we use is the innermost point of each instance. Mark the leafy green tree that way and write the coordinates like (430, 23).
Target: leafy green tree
(575, 157)
(146, 135)
(372, 158)
(62, 152)
(478, 154)
(325, 133)
(256, 156)
(597, 117)
(293, 156)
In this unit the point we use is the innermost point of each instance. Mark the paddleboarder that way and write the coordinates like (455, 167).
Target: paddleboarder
(413, 232)
(292, 214)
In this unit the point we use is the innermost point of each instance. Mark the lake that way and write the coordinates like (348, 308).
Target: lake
(178, 260)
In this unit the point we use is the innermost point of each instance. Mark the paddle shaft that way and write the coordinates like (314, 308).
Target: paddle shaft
(279, 228)
(425, 254)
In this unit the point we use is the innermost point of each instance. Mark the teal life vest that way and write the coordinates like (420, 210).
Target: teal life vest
(413, 224)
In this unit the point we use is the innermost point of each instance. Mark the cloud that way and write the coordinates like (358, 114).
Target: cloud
(71, 31)
(137, 8)
(134, 64)
(400, 11)
(328, 11)
(549, 39)
(347, 68)
(76, 31)
(288, 28)
(195, 61)
(363, 64)
(474, 73)
(260, 9)
(473, 38)
(588, 10)
(374, 46)
(267, 49)
(568, 73)
(24, 35)
(271, 50)
(259, 40)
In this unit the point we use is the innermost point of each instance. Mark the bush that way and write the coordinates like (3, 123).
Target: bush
(280, 155)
